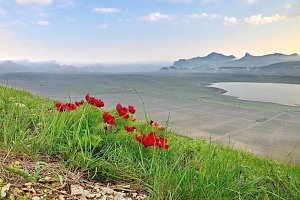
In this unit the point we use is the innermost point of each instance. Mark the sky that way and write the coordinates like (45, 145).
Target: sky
(145, 31)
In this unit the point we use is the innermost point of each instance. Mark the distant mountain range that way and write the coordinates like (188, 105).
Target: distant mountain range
(15, 66)
(10, 66)
(276, 63)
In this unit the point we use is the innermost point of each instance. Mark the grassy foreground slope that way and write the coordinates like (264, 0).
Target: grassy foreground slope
(189, 169)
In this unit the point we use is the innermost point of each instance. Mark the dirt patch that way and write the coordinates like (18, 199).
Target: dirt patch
(23, 177)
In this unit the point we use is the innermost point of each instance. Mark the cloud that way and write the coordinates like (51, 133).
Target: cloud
(153, 17)
(106, 10)
(205, 16)
(66, 3)
(288, 6)
(230, 20)
(43, 22)
(252, 1)
(208, 1)
(178, 1)
(260, 19)
(34, 2)
(102, 26)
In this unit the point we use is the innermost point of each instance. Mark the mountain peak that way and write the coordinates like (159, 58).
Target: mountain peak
(248, 55)
(218, 56)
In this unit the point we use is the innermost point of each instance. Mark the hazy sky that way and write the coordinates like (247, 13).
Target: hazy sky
(131, 31)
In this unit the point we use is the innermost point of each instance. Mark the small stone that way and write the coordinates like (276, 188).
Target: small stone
(4, 190)
(36, 198)
(28, 184)
(110, 197)
(98, 195)
(90, 196)
(134, 194)
(104, 197)
(119, 196)
(17, 191)
(106, 190)
(61, 197)
(77, 190)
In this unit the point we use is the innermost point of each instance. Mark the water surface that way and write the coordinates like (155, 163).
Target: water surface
(285, 94)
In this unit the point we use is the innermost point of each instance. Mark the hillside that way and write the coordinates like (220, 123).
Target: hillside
(282, 68)
(109, 146)
(216, 62)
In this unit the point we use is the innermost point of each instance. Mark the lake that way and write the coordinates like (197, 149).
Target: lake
(285, 94)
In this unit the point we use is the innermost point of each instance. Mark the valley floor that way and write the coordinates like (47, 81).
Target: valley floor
(189, 107)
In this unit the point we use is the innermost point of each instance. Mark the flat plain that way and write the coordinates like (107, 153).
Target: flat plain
(184, 103)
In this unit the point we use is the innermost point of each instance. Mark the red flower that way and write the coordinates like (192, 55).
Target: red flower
(108, 118)
(70, 106)
(131, 109)
(119, 106)
(93, 101)
(79, 103)
(129, 128)
(152, 140)
(148, 140)
(59, 106)
(162, 143)
(122, 111)
(65, 107)
(156, 125)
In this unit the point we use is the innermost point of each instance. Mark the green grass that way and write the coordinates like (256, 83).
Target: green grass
(190, 169)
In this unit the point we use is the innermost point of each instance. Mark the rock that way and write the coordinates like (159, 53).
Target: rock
(36, 198)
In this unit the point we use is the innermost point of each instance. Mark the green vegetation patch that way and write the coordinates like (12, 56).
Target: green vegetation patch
(164, 164)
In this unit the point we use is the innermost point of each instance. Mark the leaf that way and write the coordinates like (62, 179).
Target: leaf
(20, 172)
